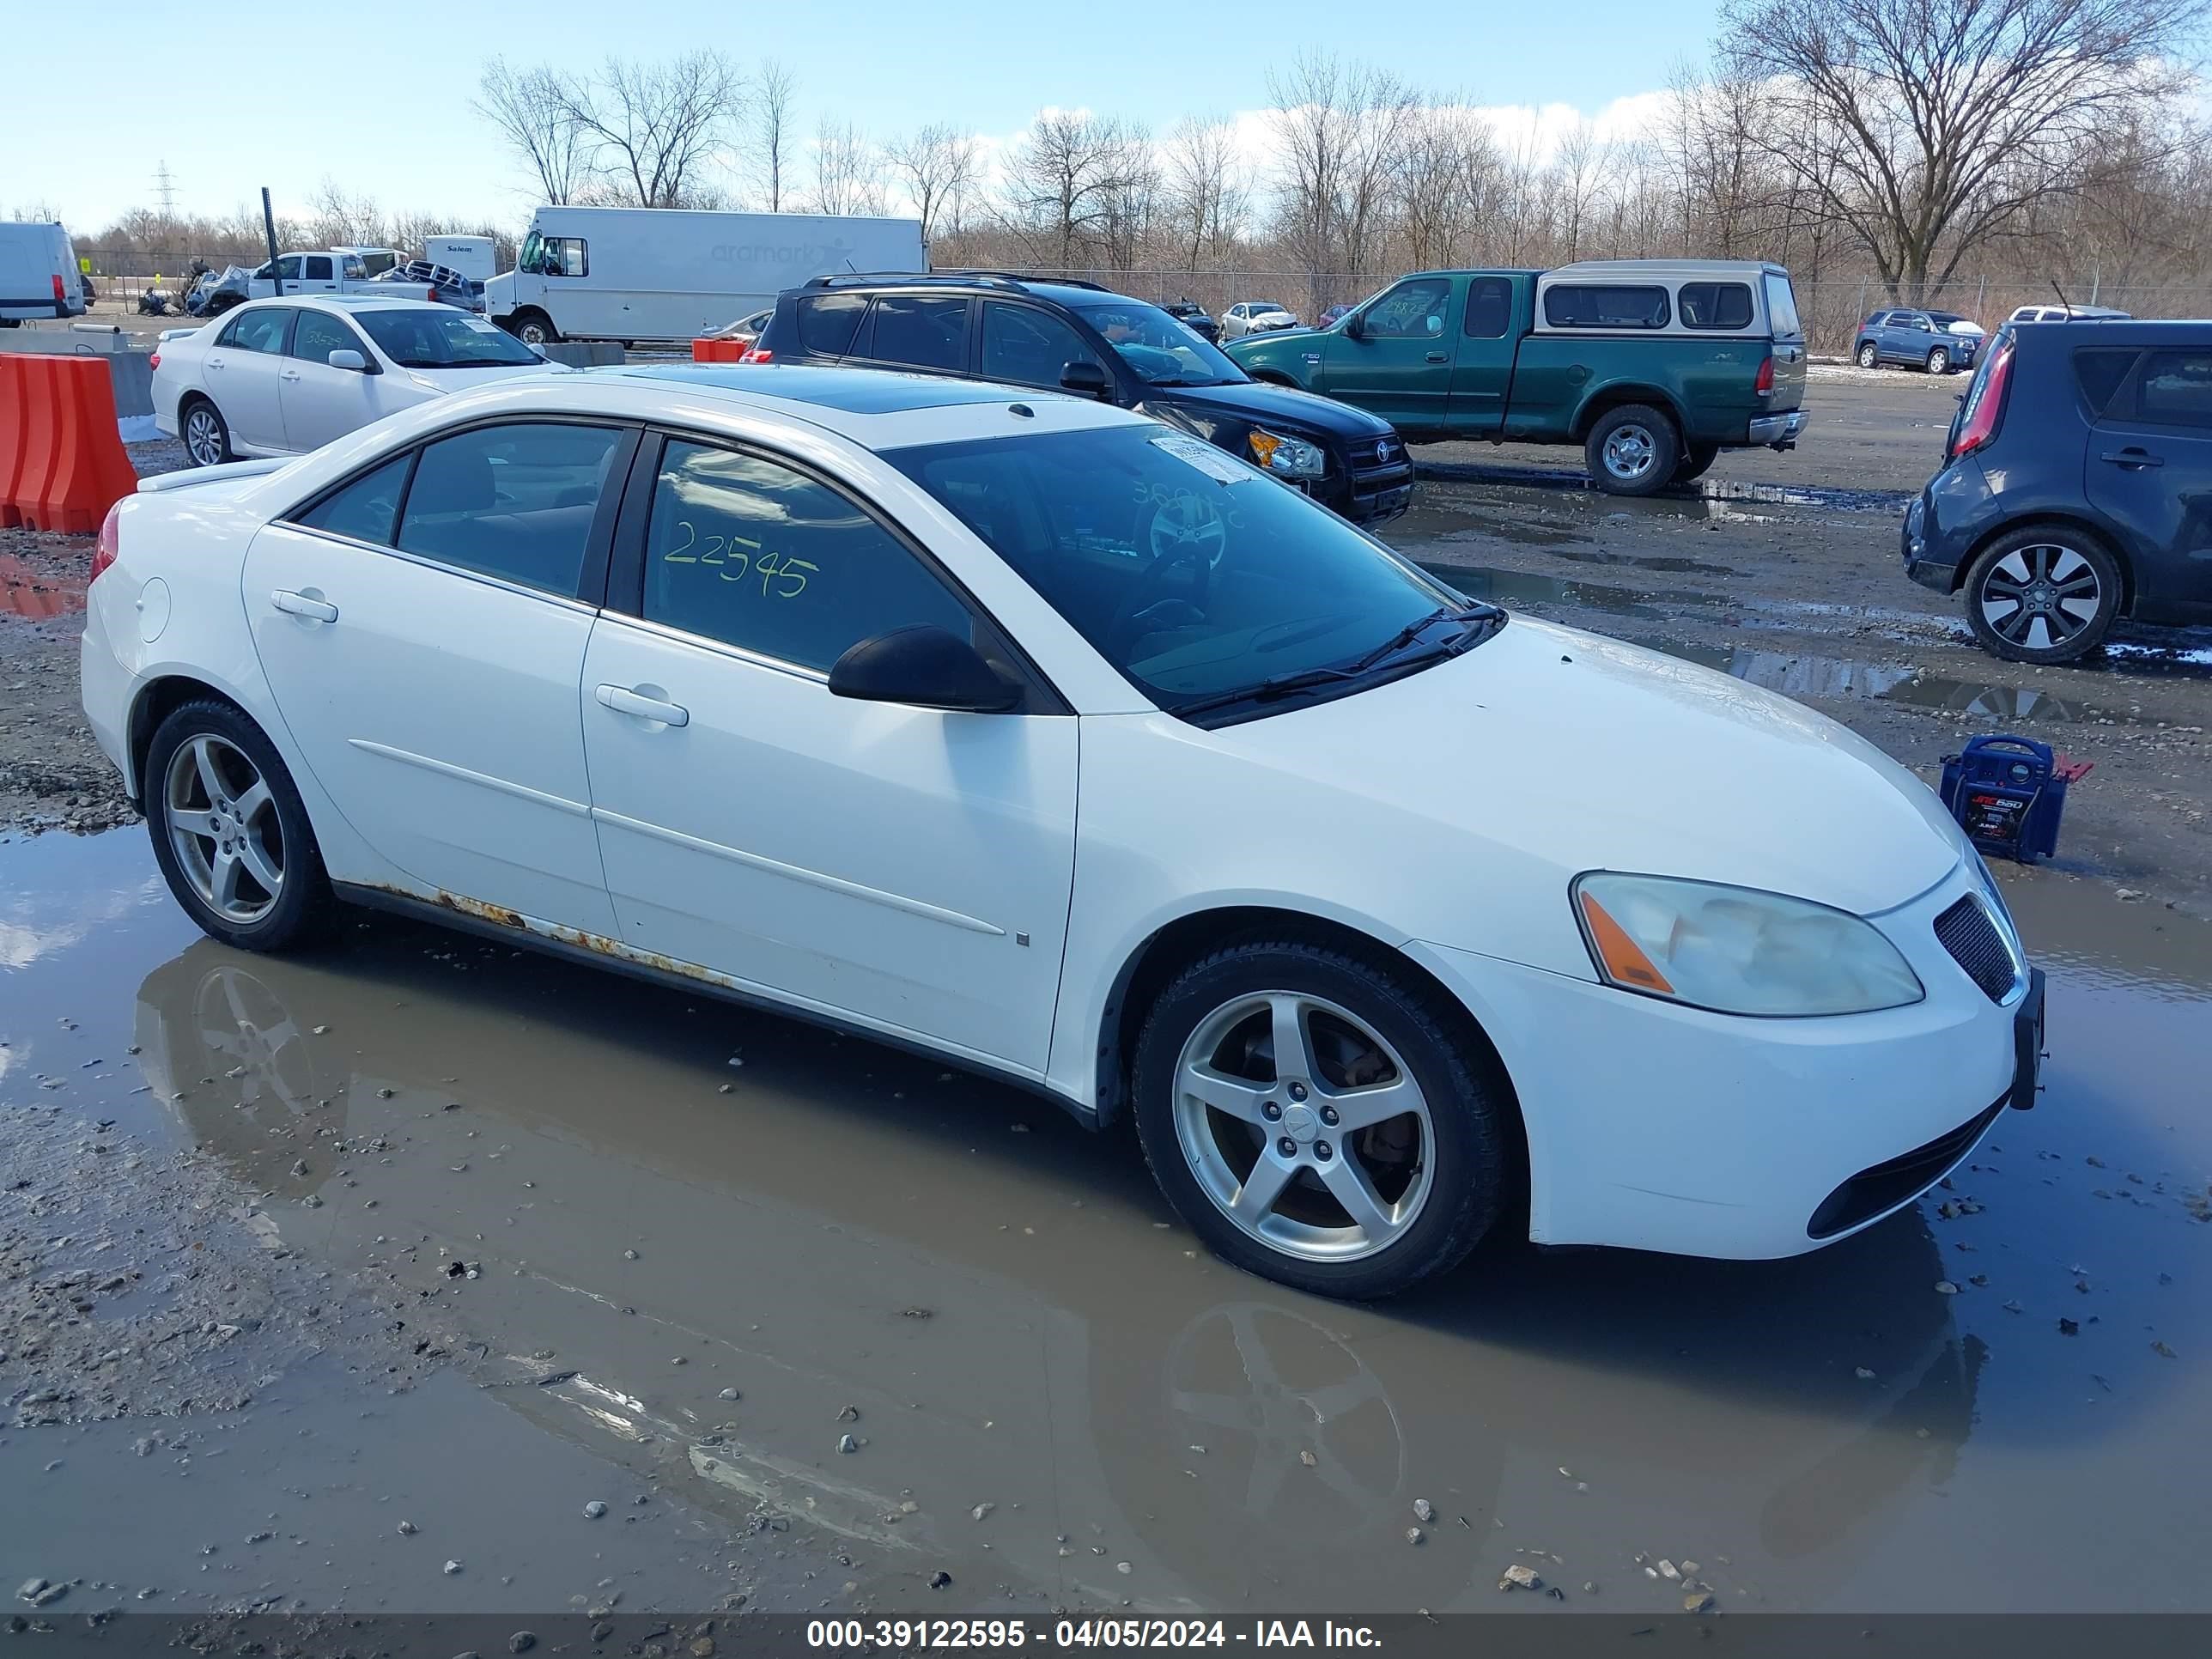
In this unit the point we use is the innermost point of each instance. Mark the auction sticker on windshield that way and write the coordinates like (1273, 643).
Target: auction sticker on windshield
(480, 326)
(1222, 469)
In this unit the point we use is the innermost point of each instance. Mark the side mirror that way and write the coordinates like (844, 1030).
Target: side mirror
(1355, 325)
(1085, 380)
(347, 357)
(923, 667)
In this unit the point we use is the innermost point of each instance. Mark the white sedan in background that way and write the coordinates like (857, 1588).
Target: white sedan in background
(280, 377)
(1256, 317)
(1392, 920)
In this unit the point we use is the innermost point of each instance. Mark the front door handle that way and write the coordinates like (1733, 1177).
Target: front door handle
(299, 604)
(1438, 357)
(2132, 457)
(288, 375)
(624, 701)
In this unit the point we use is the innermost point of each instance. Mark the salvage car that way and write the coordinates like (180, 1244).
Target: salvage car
(1256, 317)
(1653, 367)
(2076, 488)
(275, 376)
(776, 682)
(1078, 338)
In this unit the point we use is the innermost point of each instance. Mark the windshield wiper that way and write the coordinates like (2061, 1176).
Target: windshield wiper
(1267, 691)
(1412, 630)
(1485, 621)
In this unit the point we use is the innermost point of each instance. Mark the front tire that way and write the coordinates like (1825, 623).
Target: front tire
(230, 831)
(1633, 451)
(206, 434)
(2043, 594)
(1373, 1157)
(1939, 361)
(534, 328)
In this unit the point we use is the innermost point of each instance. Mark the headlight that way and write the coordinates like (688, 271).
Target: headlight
(1287, 458)
(1737, 950)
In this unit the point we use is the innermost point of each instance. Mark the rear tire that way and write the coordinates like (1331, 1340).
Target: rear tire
(1424, 1183)
(1869, 356)
(205, 433)
(2043, 594)
(230, 832)
(1633, 451)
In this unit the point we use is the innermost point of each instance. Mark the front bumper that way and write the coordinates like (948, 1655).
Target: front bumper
(1779, 431)
(1656, 1127)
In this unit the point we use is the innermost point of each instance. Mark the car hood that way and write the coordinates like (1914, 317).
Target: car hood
(1258, 403)
(1579, 752)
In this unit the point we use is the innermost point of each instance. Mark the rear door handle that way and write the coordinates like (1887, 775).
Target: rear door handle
(2133, 458)
(624, 701)
(299, 604)
(1438, 357)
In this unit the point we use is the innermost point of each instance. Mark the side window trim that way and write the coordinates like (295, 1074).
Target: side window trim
(626, 595)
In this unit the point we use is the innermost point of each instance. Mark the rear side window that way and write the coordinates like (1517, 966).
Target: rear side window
(318, 268)
(1782, 308)
(365, 509)
(918, 330)
(827, 322)
(2176, 388)
(1716, 305)
(1594, 305)
(1489, 307)
(2098, 372)
(514, 502)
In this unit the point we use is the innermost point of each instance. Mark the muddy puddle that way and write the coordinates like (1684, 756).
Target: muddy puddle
(667, 1272)
(1719, 492)
(1796, 674)
(35, 595)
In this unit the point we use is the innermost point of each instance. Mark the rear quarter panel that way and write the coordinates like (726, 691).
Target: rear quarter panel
(1561, 379)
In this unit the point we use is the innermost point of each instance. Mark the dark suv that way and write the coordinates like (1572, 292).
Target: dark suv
(2076, 487)
(1078, 338)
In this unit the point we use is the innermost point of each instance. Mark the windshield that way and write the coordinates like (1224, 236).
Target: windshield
(1196, 576)
(441, 338)
(1163, 351)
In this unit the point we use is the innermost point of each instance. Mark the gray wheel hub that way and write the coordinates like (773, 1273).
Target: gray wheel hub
(2041, 597)
(204, 436)
(1631, 451)
(223, 827)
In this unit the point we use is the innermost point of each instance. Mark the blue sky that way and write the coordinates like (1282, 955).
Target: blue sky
(378, 96)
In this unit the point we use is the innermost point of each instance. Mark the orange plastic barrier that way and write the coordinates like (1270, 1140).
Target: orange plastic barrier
(62, 461)
(717, 351)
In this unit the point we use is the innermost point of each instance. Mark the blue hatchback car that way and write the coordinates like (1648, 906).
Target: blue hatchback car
(1918, 339)
(2076, 488)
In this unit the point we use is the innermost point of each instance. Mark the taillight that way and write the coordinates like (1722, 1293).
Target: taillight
(103, 550)
(61, 295)
(1988, 408)
(757, 353)
(1764, 385)
(154, 362)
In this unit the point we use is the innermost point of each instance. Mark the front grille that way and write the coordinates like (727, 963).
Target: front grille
(1886, 1186)
(1975, 944)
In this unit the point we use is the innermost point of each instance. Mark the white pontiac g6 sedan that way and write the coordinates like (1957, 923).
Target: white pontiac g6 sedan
(280, 377)
(1037, 735)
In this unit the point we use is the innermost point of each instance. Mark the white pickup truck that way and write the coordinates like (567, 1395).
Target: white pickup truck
(336, 270)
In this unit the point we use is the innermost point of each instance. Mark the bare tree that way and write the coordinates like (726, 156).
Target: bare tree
(533, 117)
(1069, 185)
(772, 135)
(847, 171)
(1205, 196)
(937, 165)
(1447, 184)
(343, 221)
(655, 129)
(1579, 170)
(1339, 129)
(1951, 118)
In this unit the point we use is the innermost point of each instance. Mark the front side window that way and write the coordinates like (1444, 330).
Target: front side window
(1191, 573)
(1411, 311)
(2176, 388)
(756, 555)
(318, 334)
(289, 267)
(260, 330)
(1716, 305)
(514, 502)
(366, 508)
(438, 336)
(919, 331)
(1161, 351)
(1489, 307)
(1605, 305)
(1029, 347)
(553, 256)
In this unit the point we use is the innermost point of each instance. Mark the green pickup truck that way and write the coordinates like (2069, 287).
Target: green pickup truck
(1653, 366)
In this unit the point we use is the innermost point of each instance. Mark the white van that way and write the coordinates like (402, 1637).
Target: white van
(474, 256)
(598, 273)
(38, 274)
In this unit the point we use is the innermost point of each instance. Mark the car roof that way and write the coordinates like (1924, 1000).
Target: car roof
(821, 394)
(349, 302)
(1671, 269)
(2123, 330)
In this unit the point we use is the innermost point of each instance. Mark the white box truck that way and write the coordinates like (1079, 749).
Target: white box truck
(38, 274)
(472, 256)
(666, 274)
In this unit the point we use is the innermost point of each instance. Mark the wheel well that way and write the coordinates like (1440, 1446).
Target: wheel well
(156, 704)
(1604, 403)
(2079, 525)
(1183, 941)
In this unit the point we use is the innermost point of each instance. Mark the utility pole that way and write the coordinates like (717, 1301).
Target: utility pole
(164, 187)
(269, 226)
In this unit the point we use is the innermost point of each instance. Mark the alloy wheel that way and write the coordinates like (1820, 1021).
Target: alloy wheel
(223, 827)
(1868, 357)
(1304, 1125)
(2041, 597)
(1630, 452)
(204, 436)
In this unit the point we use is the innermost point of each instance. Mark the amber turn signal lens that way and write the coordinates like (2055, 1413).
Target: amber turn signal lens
(1625, 962)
